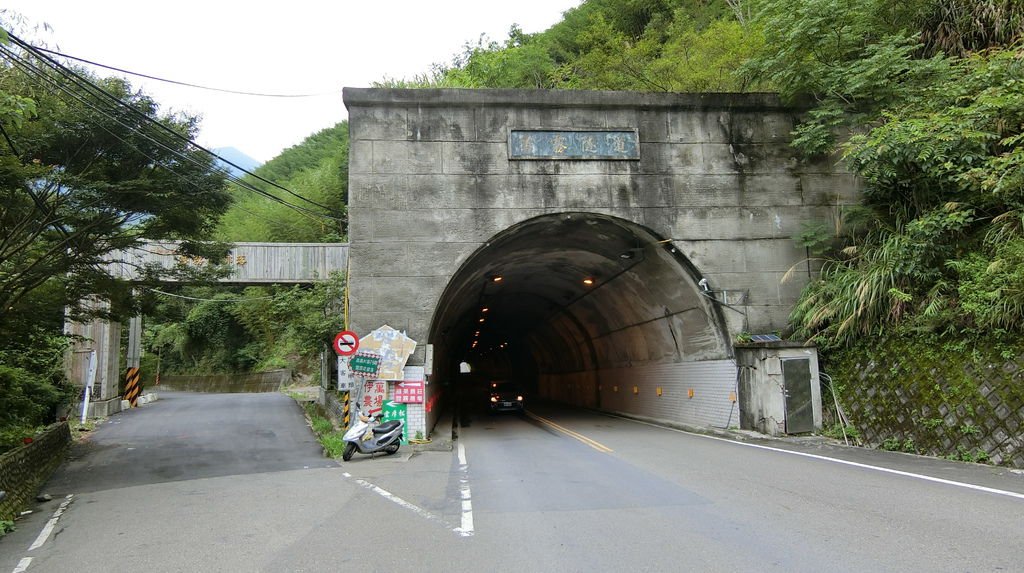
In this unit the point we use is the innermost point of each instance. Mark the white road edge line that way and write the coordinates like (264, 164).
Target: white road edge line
(466, 528)
(394, 498)
(22, 565)
(845, 462)
(48, 528)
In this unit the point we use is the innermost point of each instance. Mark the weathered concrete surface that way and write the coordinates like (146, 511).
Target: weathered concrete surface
(430, 173)
(437, 206)
(762, 385)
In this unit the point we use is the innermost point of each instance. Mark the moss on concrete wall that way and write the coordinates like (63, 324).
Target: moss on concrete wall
(959, 400)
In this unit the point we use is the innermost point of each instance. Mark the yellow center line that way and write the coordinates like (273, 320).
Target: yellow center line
(596, 445)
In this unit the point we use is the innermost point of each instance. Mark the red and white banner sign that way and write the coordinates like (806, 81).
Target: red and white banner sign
(374, 394)
(411, 389)
(409, 392)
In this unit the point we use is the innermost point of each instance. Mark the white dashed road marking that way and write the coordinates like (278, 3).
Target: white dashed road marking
(45, 533)
(466, 529)
(48, 528)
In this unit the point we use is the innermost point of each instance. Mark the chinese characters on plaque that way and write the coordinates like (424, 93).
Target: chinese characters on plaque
(574, 144)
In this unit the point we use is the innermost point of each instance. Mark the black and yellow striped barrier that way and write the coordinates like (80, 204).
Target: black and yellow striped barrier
(345, 406)
(132, 386)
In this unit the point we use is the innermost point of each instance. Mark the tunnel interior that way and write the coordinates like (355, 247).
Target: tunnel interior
(570, 293)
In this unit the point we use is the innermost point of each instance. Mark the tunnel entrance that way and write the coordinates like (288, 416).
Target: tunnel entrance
(585, 309)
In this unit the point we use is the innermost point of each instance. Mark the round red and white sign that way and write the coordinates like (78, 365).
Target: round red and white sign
(346, 343)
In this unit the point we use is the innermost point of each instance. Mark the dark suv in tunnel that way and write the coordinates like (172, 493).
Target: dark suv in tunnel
(505, 397)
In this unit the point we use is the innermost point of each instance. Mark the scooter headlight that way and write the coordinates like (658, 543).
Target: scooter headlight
(519, 398)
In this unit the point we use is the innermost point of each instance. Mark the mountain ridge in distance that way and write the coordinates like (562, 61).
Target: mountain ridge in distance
(238, 157)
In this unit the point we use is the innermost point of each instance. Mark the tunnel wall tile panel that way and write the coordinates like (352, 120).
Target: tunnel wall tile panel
(713, 383)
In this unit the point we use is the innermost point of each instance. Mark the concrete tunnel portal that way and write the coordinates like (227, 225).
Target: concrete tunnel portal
(654, 197)
(561, 302)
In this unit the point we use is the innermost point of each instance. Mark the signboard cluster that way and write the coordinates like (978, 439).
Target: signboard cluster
(365, 365)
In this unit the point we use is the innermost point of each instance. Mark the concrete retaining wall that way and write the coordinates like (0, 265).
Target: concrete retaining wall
(23, 470)
(972, 411)
(227, 383)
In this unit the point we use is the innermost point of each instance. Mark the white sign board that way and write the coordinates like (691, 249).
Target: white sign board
(428, 361)
(346, 381)
(394, 349)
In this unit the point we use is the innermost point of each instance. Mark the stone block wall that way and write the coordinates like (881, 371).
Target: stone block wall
(23, 470)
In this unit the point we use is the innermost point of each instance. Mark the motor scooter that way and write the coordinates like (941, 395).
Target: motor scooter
(368, 436)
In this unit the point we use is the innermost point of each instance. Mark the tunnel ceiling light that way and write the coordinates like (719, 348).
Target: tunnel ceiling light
(482, 319)
(485, 309)
(588, 281)
(497, 278)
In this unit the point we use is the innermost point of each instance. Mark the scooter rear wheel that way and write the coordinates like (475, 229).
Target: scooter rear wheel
(350, 449)
(391, 449)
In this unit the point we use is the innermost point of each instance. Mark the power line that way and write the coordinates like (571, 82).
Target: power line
(41, 75)
(65, 70)
(97, 92)
(186, 84)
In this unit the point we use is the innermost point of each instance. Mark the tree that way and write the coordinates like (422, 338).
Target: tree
(88, 167)
(88, 176)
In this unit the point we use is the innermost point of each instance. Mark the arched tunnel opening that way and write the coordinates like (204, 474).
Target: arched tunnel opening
(571, 306)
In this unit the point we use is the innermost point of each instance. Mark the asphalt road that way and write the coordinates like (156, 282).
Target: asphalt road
(235, 483)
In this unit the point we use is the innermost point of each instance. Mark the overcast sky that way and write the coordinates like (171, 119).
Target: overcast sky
(293, 47)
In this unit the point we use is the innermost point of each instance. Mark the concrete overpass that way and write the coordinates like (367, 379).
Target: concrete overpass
(250, 264)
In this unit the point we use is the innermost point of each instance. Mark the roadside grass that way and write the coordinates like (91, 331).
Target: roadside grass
(327, 434)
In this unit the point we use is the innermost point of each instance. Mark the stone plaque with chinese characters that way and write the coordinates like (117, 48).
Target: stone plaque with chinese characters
(581, 144)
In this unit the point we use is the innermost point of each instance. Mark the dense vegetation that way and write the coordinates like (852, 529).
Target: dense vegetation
(932, 91)
(316, 169)
(217, 330)
(646, 45)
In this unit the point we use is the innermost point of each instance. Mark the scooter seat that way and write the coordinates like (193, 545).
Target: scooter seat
(386, 427)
